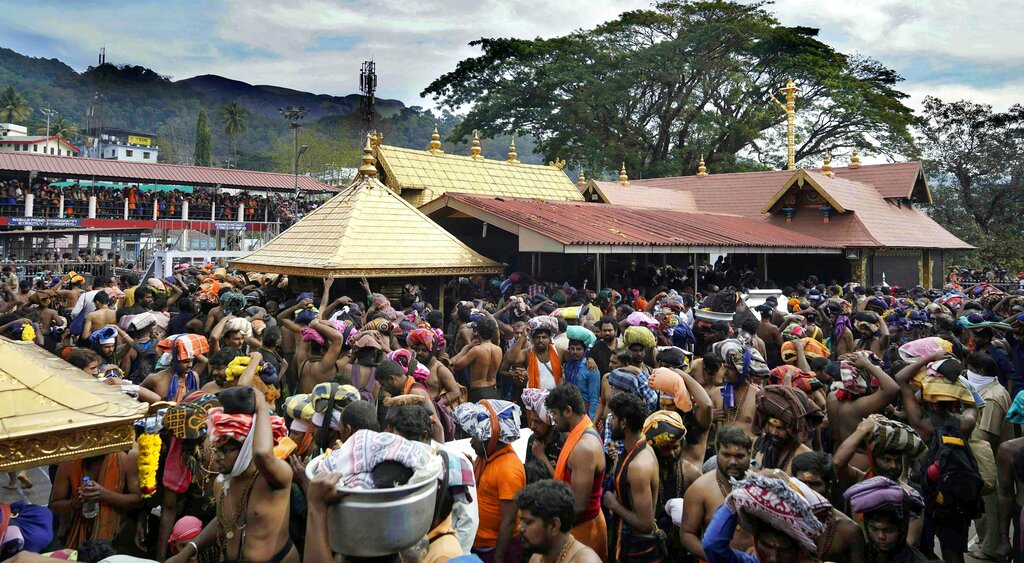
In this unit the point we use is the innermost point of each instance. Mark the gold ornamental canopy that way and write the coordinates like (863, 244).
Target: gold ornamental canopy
(366, 230)
(51, 411)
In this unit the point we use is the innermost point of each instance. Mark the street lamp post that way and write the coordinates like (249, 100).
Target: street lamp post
(48, 113)
(294, 115)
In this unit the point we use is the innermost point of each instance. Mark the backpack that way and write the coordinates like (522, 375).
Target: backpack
(957, 491)
(144, 362)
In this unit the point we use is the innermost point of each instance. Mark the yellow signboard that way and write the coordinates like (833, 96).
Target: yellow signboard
(134, 140)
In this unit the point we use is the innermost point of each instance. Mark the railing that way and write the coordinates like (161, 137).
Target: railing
(90, 270)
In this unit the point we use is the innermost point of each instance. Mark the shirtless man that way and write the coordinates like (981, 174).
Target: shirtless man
(71, 295)
(181, 377)
(708, 492)
(423, 342)
(637, 481)
(314, 362)
(393, 378)
(101, 317)
(581, 465)
(734, 400)
(69, 492)
(846, 409)
(258, 488)
(770, 335)
(483, 358)
(542, 360)
(780, 442)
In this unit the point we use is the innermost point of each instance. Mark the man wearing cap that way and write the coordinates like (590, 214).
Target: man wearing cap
(886, 508)
(734, 401)
(493, 426)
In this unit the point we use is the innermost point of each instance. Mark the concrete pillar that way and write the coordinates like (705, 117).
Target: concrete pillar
(156, 209)
(125, 209)
(213, 210)
(60, 212)
(184, 210)
(241, 212)
(30, 200)
(92, 207)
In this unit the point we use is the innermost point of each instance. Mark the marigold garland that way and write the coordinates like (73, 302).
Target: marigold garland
(28, 333)
(149, 461)
(237, 367)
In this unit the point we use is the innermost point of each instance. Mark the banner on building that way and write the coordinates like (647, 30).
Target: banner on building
(229, 226)
(43, 222)
(136, 140)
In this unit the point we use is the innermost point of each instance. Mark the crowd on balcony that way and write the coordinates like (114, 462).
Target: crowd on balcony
(203, 203)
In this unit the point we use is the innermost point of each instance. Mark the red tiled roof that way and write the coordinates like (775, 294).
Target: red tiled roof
(742, 193)
(33, 139)
(891, 180)
(100, 169)
(574, 223)
(636, 195)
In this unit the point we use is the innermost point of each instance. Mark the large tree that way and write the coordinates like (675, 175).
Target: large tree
(235, 119)
(63, 127)
(658, 88)
(13, 106)
(975, 160)
(203, 155)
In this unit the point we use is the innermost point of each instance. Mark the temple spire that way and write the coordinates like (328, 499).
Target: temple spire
(826, 168)
(369, 167)
(435, 142)
(582, 180)
(475, 148)
(513, 158)
(623, 178)
(854, 160)
(701, 169)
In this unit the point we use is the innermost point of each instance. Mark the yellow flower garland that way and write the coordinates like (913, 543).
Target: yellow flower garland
(236, 367)
(149, 461)
(28, 333)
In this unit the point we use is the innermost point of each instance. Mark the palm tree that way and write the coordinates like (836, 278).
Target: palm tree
(63, 127)
(234, 117)
(13, 106)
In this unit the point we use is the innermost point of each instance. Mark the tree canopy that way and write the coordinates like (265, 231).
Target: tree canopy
(975, 160)
(13, 106)
(658, 88)
(203, 155)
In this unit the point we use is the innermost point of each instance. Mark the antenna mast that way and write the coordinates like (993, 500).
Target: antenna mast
(368, 87)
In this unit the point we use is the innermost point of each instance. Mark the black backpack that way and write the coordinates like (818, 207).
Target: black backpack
(145, 361)
(957, 493)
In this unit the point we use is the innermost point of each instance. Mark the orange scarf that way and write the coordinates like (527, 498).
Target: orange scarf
(533, 368)
(491, 447)
(108, 522)
(570, 443)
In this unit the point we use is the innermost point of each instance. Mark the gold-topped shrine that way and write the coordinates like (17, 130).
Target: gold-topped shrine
(51, 411)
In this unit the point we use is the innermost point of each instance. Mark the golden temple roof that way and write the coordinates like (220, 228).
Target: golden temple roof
(420, 176)
(366, 230)
(51, 411)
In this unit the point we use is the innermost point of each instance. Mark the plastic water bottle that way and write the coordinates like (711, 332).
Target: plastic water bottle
(90, 508)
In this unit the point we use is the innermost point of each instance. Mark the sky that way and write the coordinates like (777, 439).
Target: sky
(953, 49)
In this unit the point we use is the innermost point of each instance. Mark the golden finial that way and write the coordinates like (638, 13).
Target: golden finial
(701, 169)
(369, 167)
(826, 168)
(475, 148)
(556, 164)
(435, 142)
(582, 180)
(623, 178)
(513, 158)
(854, 160)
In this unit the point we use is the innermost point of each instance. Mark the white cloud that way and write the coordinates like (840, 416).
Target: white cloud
(999, 97)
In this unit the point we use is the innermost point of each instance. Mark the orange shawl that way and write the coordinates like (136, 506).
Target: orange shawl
(108, 522)
(533, 368)
(570, 443)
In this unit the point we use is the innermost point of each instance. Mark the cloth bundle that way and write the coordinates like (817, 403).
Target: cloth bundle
(184, 346)
(533, 400)
(812, 349)
(221, 427)
(238, 324)
(787, 404)
(364, 450)
(475, 420)
(544, 324)
(938, 382)
(581, 334)
(745, 359)
(924, 346)
(663, 429)
(789, 507)
(670, 383)
(895, 436)
(642, 318)
(638, 335)
(799, 379)
(882, 493)
(848, 381)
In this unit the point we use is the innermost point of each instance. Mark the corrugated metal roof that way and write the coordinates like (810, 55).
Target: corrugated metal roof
(422, 176)
(636, 195)
(366, 230)
(101, 169)
(578, 223)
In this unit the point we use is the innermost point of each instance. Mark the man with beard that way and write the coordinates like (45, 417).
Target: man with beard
(734, 403)
(665, 434)
(886, 508)
(607, 342)
(871, 331)
(482, 358)
(682, 394)
(545, 444)
(708, 492)
(635, 532)
(253, 488)
(784, 415)
(542, 360)
(546, 515)
(395, 379)
(581, 464)
(425, 343)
